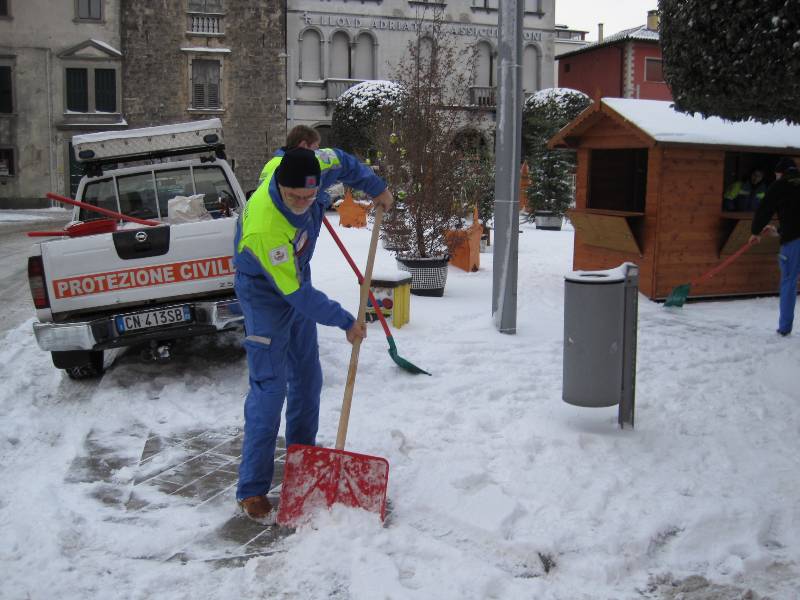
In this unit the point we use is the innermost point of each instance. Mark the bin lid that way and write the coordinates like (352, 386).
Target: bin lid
(616, 275)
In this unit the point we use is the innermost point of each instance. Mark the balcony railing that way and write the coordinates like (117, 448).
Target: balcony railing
(336, 87)
(482, 96)
(205, 24)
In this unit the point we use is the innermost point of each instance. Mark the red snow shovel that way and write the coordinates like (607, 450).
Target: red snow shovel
(99, 209)
(321, 477)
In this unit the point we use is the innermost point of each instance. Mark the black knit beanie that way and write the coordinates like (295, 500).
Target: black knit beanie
(299, 168)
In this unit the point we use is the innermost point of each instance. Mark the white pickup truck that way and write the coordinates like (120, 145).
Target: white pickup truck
(139, 284)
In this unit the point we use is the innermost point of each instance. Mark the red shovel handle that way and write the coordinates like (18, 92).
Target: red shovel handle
(102, 211)
(360, 277)
(726, 262)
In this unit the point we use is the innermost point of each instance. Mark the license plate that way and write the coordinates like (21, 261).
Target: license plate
(153, 318)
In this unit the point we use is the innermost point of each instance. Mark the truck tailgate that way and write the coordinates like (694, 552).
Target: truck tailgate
(136, 265)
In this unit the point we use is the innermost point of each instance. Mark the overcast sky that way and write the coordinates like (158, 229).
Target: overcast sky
(616, 15)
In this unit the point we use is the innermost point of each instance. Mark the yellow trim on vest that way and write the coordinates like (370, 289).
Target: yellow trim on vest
(269, 237)
(269, 168)
(325, 156)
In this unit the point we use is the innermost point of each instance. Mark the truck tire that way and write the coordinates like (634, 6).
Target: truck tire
(80, 364)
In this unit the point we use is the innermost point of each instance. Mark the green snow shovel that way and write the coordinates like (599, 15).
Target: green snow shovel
(399, 360)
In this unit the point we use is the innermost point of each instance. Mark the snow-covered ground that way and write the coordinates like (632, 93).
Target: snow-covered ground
(36, 214)
(499, 489)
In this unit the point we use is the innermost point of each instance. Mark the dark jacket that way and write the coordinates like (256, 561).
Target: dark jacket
(783, 196)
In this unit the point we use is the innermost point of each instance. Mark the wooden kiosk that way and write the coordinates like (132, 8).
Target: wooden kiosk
(650, 186)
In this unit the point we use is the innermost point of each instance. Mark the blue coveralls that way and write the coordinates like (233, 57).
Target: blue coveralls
(272, 254)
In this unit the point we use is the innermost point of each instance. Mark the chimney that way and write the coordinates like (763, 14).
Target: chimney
(599, 32)
(652, 20)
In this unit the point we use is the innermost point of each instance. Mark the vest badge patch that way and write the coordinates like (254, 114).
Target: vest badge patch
(278, 255)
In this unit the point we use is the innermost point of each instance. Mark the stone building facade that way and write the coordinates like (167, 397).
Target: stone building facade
(60, 66)
(197, 59)
(334, 44)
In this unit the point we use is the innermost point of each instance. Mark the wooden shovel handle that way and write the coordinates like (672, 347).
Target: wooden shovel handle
(344, 418)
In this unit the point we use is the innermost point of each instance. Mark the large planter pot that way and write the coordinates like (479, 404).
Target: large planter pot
(428, 275)
(547, 219)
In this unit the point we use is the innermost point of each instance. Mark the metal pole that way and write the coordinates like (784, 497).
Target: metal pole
(289, 88)
(508, 154)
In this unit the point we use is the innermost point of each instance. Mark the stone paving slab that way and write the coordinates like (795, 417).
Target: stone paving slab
(198, 468)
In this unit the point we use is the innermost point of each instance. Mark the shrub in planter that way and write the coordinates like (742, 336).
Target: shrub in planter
(357, 112)
(416, 150)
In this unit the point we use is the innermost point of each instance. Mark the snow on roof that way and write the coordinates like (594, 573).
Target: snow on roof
(634, 33)
(640, 33)
(663, 123)
(108, 47)
(148, 131)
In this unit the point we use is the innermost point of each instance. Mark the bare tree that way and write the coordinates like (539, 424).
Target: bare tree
(416, 149)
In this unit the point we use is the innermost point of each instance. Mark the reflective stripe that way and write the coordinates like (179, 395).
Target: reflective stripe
(259, 339)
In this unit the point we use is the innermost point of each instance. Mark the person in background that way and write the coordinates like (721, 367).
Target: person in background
(275, 239)
(300, 136)
(783, 197)
(746, 195)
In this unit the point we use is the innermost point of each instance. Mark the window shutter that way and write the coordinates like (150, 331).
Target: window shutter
(205, 84)
(77, 90)
(205, 6)
(89, 9)
(105, 90)
(6, 105)
(199, 83)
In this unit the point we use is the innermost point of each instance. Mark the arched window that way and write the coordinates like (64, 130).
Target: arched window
(485, 74)
(364, 59)
(531, 69)
(426, 50)
(310, 64)
(340, 56)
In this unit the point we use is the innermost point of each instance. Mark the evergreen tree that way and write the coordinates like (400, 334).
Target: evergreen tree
(736, 59)
(543, 115)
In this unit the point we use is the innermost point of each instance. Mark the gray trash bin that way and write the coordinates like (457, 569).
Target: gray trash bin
(600, 317)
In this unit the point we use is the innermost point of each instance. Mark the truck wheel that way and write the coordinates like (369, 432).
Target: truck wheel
(80, 364)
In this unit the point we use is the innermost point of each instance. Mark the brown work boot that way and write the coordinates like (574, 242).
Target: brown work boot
(259, 509)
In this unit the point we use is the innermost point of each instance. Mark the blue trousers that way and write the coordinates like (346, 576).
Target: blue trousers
(789, 260)
(283, 362)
